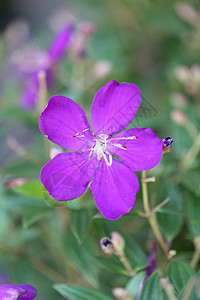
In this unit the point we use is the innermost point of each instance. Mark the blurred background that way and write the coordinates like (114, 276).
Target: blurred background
(155, 45)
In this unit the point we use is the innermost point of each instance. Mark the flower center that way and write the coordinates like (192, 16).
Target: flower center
(100, 149)
(101, 143)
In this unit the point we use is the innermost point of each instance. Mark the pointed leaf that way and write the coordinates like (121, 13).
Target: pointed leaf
(79, 292)
(179, 272)
(152, 289)
(80, 221)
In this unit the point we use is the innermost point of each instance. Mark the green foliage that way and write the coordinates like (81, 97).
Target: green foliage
(79, 292)
(179, 272)
(172, 212)
(192, 208)
(152, 288)
(80, 222)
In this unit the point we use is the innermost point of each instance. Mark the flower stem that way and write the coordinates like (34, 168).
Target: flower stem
(196, 256)
(151, 217)
(126, 264)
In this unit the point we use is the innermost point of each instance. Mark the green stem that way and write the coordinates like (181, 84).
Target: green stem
(151, 217)
(126, 264)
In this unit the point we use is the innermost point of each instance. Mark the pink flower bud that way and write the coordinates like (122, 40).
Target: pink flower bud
(195, 73)
(87, 28)
(102, 68)
(178, 116)
(118, 241)
(182, 73)
(15, 182)
(186, 12)
(178, 100)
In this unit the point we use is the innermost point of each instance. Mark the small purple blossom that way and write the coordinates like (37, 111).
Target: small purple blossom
(17, 292)
(114, 182)
(31, 63)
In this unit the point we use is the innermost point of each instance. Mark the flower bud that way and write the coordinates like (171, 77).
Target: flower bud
(186, 12)
(102, 68)
(171, 254)
(178, 100)
(106, 245)
(182, 73)
(178, 116)
(121, 293)
(118, 241)
(87, 28)
(15, 182)
(195, 73)
(167, 144)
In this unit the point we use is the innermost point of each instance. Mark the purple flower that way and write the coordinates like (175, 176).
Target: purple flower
(31, 63)
(114, 183)
(17, 292)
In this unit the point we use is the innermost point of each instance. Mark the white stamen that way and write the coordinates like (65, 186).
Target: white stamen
(119, 146)
(79, 133)
(109, 163)
(126, 138)
(100, 148)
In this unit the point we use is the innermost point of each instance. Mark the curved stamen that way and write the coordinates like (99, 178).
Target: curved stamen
(109, 163)
(120, 146)
(81, 133)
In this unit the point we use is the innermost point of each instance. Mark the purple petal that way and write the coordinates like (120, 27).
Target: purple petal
(114, 188)
(17, 291)
(67, 175)
(114, 107)
(151, 261)
(64, 123)
(60, 43)
(141, 153)
(31, 93)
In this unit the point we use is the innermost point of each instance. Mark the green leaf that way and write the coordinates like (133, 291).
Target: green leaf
(170, 223)
(21, 115)
(134, 283)
(192, 208)
(152, 289)
(35, 215)
(111, 264)
(179, 272)
(76, 292)
(82, 256)
(134, 252)
(192, 287)
(50, 201)
(32, 188)
(80, 221)
(191, 180)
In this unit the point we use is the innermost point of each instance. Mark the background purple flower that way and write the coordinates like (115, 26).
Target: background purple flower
(31, 62)
(17, 292)
(114, 183)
